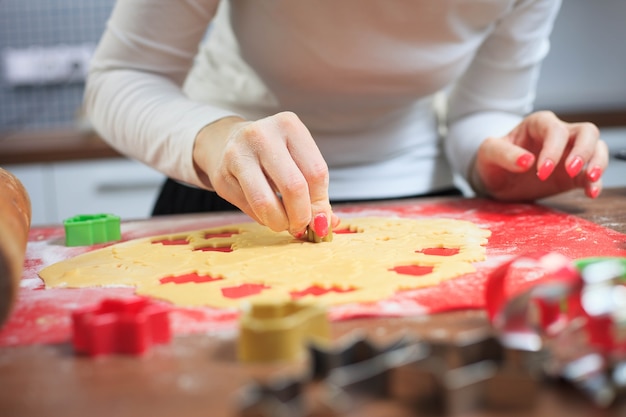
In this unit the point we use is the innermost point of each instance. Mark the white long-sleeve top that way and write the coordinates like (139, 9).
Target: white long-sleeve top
(360, 74)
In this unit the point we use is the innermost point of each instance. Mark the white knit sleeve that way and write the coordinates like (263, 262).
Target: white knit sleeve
(498, 88)
(133, 93)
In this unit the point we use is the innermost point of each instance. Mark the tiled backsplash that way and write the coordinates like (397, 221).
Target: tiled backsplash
(40, 23)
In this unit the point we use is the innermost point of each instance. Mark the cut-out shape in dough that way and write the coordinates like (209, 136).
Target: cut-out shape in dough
(243, 290)
(415, 270)
(316, 290)
(439, 251)
(192, 277)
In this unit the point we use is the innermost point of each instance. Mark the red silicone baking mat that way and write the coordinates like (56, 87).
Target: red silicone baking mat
(43, 316)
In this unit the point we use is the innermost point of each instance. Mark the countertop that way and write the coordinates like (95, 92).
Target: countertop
(54, 145)
(199, 376)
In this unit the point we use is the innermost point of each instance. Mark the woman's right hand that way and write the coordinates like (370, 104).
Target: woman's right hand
(271, 169)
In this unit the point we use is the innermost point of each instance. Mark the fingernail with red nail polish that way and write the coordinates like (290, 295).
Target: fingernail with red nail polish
(320, 225)
(594, 174)
(545, 170)
(574, 167)
(525, 160)
(298, 235)
(594, 191)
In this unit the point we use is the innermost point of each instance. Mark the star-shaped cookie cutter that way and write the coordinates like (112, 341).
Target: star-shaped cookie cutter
(124, 326)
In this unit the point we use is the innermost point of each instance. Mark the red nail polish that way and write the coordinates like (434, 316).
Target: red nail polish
(320, 225)
(525, 160)
(298, 235)
(545, 170)
(594, 192)
(594, 174)
(574, 167)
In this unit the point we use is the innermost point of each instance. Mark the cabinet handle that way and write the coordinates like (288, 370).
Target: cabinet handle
(114, 187)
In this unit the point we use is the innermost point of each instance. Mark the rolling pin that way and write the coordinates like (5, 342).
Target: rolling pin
(15, 216)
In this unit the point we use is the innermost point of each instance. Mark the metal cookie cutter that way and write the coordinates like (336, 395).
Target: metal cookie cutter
(468, 372)
(355, 349)
(598, 317)
(295, 396)
(283, 397)
(575, 313)
(373, 375)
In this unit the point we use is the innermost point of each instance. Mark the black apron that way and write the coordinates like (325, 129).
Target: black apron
(177, 198)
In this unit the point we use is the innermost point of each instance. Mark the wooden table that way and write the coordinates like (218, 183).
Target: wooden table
(199, 375)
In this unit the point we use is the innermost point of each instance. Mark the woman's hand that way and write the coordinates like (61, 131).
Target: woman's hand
(542, 156)
(271, 169)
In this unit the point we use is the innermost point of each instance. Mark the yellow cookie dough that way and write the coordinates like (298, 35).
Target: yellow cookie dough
(362, 262)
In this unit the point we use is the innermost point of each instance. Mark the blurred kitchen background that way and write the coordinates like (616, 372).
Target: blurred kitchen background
(45, 47)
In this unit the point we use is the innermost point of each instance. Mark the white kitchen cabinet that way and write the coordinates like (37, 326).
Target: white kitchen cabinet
(615, 174)
(64, 189)
(118, 186)
(39, 183)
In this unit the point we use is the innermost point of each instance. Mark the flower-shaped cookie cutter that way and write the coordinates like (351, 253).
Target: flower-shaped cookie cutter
(89, 229)
(124, 326)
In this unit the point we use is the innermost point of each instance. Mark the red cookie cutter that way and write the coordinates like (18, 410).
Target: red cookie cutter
(542, 277)
(125, 326)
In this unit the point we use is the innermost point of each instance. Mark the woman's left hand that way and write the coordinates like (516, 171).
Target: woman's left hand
(542, 156)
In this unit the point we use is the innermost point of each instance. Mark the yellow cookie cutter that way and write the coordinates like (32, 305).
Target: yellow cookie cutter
(271, 331)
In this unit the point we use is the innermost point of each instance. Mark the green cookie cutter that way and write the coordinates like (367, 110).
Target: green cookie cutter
(89, 229)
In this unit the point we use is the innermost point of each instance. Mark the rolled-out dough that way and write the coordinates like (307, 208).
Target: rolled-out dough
(369, 259)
